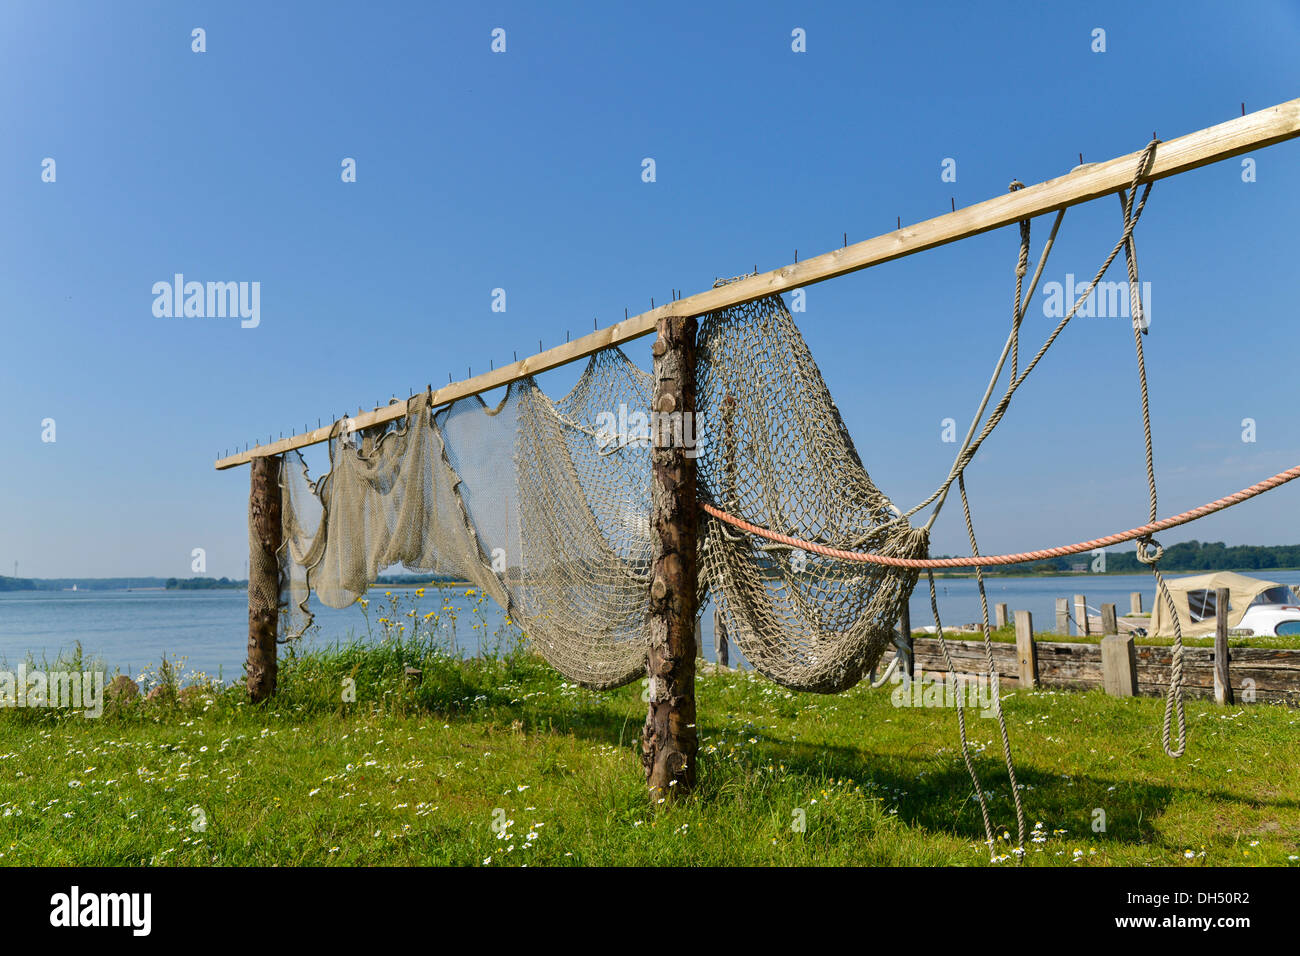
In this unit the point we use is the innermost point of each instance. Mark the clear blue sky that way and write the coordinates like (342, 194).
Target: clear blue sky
(522, 170)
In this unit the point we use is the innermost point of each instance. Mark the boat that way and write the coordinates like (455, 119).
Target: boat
(1262, 608)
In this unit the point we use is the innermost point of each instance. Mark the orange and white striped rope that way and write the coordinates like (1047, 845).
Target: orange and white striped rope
(993, 560)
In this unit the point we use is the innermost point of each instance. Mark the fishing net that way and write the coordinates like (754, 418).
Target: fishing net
(545, 506)
(778, 456)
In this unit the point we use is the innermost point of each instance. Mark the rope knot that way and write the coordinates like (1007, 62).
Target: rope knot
(1149, 550)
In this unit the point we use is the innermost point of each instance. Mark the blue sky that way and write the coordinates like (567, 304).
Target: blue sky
(522, 171)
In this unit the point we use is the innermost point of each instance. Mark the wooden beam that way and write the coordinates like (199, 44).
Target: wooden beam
(1083, 184)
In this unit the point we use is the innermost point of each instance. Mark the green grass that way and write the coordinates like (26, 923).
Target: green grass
(419, 775)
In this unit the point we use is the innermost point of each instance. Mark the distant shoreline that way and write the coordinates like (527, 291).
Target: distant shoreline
(110, 586)
(1127, 572)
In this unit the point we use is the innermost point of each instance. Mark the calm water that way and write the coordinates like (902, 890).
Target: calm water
(133, 629)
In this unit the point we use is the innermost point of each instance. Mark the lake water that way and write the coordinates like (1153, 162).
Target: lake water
(133, 629)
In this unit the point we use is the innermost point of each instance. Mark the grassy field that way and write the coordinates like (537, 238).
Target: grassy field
(501, 762)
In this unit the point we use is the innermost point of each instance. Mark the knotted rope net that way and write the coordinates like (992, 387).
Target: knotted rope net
(543, 505)
(778, 455)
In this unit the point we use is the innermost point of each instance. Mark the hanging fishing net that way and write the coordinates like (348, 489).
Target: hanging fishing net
(778, 456)
(545, 506)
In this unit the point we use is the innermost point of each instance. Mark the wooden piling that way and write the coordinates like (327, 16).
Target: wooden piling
(1109, 621)
(999, 615)
(1119, 666)
(669, 741)
(1026, 649)
(264, 535)
(1063, 616)
(1081, 615)
(720, 649)
(1222, 683)
(905, 636)
(1135, 602)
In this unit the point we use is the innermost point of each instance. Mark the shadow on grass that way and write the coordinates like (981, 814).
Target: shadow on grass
(934, 792)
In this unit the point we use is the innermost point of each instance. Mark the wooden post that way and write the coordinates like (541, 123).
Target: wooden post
(1081, 615)
(720, 649)
(264, 534)
(1063, 616)
(1222, 684)
(1109, 622)
(699, 638)
(669, 741)
(1026, 649)
(1119, 666)
(999, 615)
(1135, 602)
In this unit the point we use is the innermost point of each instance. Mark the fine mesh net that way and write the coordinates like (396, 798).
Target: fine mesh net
(545, 505)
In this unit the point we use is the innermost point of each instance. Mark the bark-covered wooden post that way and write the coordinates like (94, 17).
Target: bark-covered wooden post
(264, 534)
(669, 741)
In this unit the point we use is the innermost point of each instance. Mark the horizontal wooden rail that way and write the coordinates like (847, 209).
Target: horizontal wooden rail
(1241, 135)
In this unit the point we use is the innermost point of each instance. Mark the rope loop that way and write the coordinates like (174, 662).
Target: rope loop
(1149, 556)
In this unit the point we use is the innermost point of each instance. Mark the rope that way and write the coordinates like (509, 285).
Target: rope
(969, 448)
(993, 673)
(996, 560)
(1149, 551)
(961, 718)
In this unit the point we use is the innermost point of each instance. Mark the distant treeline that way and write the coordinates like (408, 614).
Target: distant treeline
(204, 584)
(1187, 556)
(417, 579)
(81, 584)
(182, 584)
